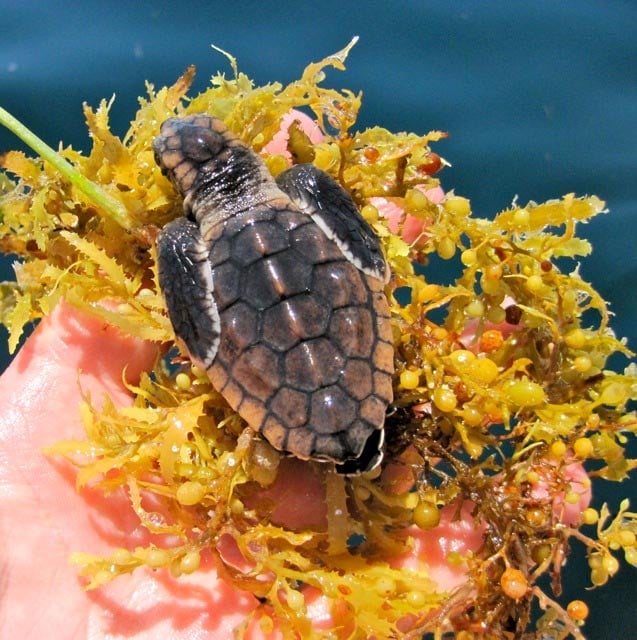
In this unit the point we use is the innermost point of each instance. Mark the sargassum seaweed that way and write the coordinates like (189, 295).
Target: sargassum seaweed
(505, 405)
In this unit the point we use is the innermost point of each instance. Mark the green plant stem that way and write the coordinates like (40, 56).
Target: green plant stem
(110, 205)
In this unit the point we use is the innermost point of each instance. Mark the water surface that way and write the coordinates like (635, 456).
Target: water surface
(540, 100)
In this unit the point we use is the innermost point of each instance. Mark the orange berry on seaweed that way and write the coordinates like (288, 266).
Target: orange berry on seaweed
(431, 166)
(577, 610)
(546, 266)
(514, 583)
(371, 154)
(536, 517)
(491, 340)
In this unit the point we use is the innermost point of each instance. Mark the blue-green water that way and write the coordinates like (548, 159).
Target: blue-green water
(540, 99)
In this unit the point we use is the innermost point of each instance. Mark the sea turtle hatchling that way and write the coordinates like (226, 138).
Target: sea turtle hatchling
(276, 290)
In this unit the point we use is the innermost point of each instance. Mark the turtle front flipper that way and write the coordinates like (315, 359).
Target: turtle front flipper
(317, 194)
(185, 277)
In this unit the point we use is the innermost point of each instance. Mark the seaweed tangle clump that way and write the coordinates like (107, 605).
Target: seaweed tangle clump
(506, 407)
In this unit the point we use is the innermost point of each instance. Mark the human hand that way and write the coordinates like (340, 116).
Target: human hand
(44, 519)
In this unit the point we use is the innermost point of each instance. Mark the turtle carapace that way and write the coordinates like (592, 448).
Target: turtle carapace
(276, 290)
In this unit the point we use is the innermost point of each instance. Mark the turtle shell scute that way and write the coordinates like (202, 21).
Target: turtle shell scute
(275, 278)
(298, 318)
(313, 364)
(257, 240)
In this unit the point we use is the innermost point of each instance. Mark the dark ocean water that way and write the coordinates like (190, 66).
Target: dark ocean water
(540, 99)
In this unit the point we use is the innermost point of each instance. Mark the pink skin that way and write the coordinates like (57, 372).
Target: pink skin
(43, 519)
(411, 229)
(579, 484)
(278, 144)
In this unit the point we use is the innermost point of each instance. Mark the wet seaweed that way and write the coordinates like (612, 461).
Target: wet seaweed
(502, 386)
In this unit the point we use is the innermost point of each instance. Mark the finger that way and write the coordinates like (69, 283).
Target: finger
(40, 511)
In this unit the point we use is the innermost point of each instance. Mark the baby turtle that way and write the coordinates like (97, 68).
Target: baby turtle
(276, 290)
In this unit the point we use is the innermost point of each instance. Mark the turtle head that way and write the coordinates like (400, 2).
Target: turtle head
(212, 169)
